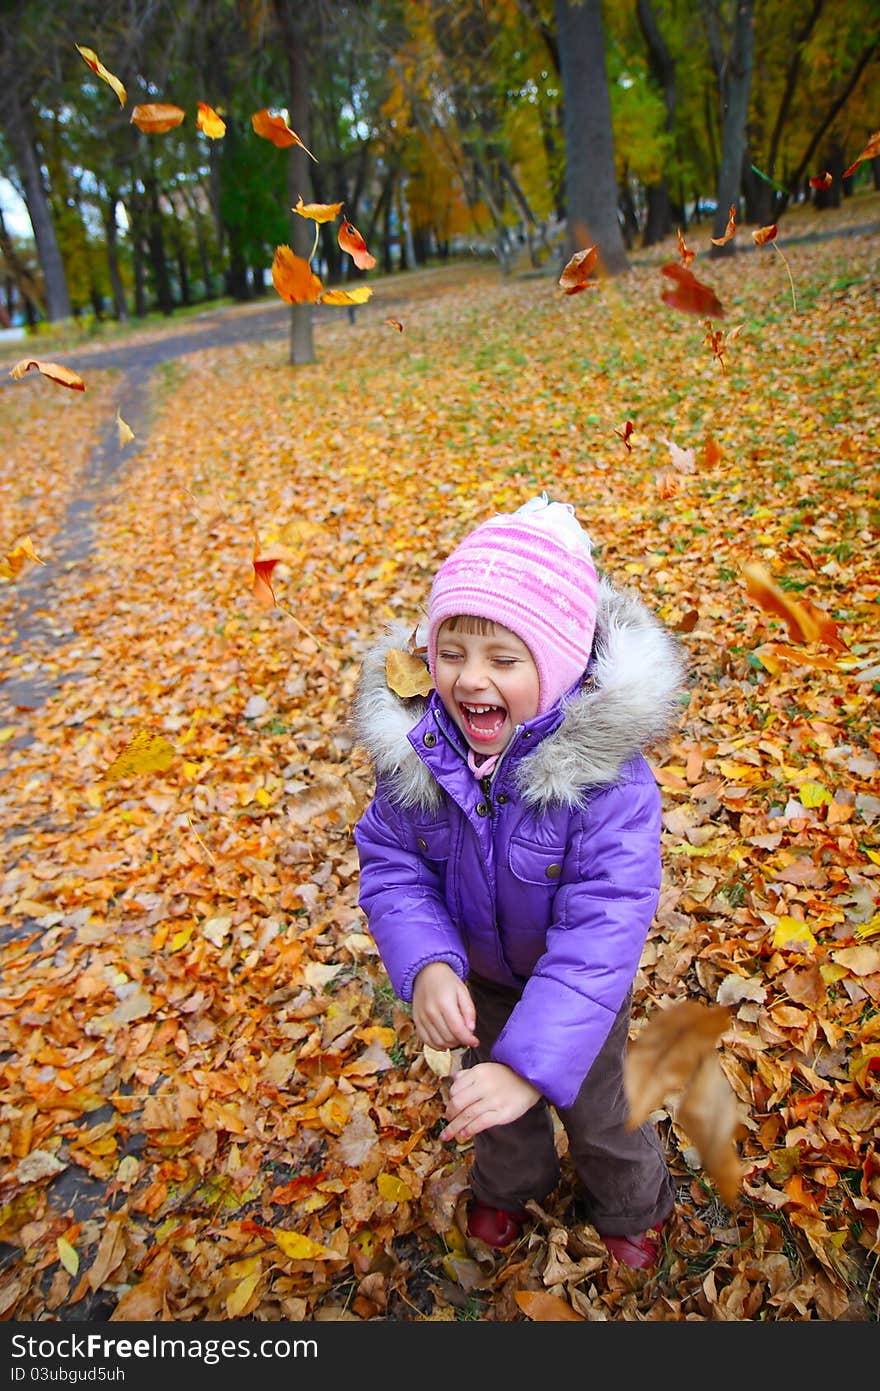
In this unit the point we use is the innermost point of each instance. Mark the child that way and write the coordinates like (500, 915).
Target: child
(510, 862)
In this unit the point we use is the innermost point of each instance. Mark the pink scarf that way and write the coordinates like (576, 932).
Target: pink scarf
(484, 769)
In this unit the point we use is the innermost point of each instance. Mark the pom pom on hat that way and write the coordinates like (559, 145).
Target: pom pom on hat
(531, 571)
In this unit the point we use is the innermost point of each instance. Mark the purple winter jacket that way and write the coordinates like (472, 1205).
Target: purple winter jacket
(545, 879)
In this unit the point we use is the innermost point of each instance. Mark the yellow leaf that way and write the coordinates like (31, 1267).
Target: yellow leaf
(439, 1060)
(406, 674)
(125, 431)
(318, 212)
(869, 929)
(181, 938)
(67, 1255)
(359, 295)
(145, 753)
(209, 123)
(790, 930)
(302, 1248)
(97, 67)
(263, 797)
(12, 562)
(393, 1189)
(237, 1301)
(813, 794)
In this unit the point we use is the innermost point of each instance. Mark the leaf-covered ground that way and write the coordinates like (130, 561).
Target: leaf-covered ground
(213, 1105)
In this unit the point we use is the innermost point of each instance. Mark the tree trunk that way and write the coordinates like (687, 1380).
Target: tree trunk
(735, 81)
(835, 108)
(658, 223)
(156, 247)
(21, 141)
(590, 185)
(111, 232)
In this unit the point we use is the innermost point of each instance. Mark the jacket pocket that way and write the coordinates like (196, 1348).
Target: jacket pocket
(534, 864)
(434, 842)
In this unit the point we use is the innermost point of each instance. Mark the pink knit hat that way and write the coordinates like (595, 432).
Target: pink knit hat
(530, 570)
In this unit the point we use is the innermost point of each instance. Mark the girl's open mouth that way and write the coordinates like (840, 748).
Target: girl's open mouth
(483, 723)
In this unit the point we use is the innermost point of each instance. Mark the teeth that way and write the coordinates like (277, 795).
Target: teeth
(479, 709)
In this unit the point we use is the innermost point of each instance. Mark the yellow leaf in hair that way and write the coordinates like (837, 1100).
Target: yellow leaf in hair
(145, 753)
(406, 674)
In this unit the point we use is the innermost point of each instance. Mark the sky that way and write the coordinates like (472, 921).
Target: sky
(18, 224)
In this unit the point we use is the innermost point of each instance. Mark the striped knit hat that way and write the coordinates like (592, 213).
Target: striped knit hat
(530, 570)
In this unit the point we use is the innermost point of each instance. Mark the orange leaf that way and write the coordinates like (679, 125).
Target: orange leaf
(156, 117)
(318, 212)
(668, 485)
(576, 275)
(625, 433)
(805, 622)
(712, 452)
(350, 240)
(684, 251)
(56, 373)
(821, 180)
(546, 1308)
(730, 229)
(294, 278)
(690, 294)
(97, 66)
(209, 123)
(395, 323)
(871, 150)
(12, 562)
(276, 130)
(765, 234)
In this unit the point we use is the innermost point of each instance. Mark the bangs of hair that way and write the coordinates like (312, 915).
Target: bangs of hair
(469, 623)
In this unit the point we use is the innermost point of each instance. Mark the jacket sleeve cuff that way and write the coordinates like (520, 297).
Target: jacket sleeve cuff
(407, 984)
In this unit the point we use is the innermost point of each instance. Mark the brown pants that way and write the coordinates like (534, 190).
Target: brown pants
(627, 1185)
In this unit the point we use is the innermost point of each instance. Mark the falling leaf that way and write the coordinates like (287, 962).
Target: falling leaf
(407, 675)
(64, 376)
(67, 1255)
(624, 434)
(395, 323)
(821, 180)
(156, 117)
(715, 340)
(683, 460)
(871, 151)
(126, 434)
(544, 1307)
(318, 212)
(262, 584)
(668, 485)
(439, 1060)
(145, 753)
(709, 1115)
(350, 240)
(689, 621)
(576, 275)
(209, 123)
(667, 1052)
(805, 622)
(685, 252)
(359, 294)
(276, 130)
(294, 279)
(690, 294)
(765, 234)
(730, 229)
(97, 66)
(12, 563)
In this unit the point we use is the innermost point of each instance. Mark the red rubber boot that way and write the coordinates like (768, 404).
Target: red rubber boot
(494, 1225)
(640, 1251)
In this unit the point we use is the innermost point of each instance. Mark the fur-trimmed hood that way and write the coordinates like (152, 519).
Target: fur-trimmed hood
(628, 700)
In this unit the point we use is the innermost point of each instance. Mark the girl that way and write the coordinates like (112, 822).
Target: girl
(510, 862)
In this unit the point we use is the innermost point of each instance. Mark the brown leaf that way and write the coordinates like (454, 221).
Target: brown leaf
(765, 234)
(350, 240)
(407, 675)
(690, 294)
(871, 151)
(685, 252)
(157, 117)
(709, 1116)
(576, 275)
(730, 229)
(395, 323)
(64, 376)
(546, 1308)
(668, 1051)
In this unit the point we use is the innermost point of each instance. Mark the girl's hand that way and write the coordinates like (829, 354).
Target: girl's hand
(485, 1095)
(443, 1011)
